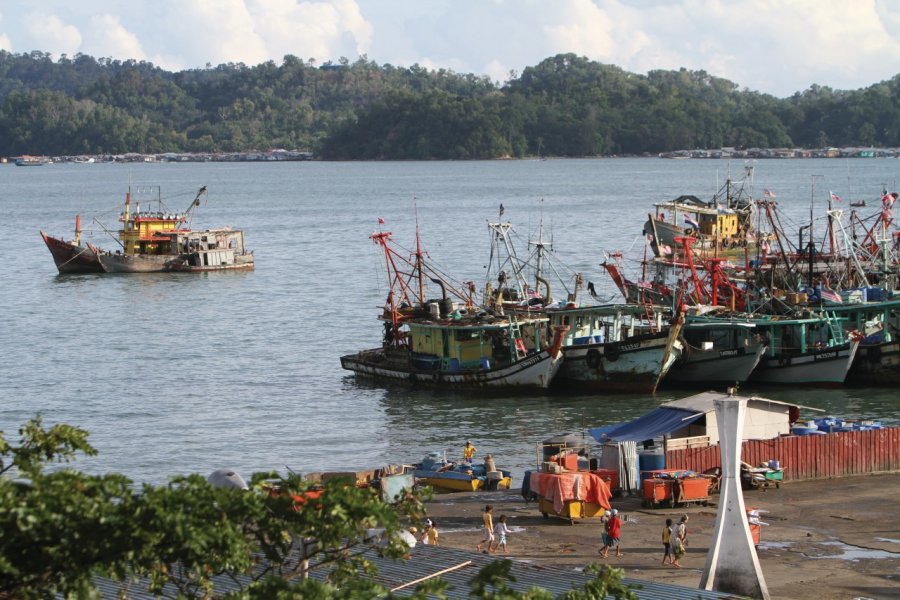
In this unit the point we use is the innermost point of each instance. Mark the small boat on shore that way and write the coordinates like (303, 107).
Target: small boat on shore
(72, 256)
(155, 241)
(448, 476)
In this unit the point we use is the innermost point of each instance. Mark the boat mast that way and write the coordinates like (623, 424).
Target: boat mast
(194, 204)
(419, 263)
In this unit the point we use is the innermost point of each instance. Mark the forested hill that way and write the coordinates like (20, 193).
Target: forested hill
(565, 106)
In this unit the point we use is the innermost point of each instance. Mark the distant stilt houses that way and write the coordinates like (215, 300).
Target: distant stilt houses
(277, 155)
(728, 153)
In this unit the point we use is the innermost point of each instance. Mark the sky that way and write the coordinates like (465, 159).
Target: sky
(776, 47)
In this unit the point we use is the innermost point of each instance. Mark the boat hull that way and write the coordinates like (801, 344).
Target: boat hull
(456, 481)
(71, 258)
(826, 367)
(145, 263)
(536, 371)
(877, 364)
(717, 366)
(635, 365)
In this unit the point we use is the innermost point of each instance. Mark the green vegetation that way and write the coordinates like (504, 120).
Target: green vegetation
(565, 106)
(60, 529)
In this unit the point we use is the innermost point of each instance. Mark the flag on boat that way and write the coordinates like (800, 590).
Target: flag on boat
(768, 193)
(380, 221)
(830, 295)
(690, 221)
(888, 199)
(835, 197)
(501, 210)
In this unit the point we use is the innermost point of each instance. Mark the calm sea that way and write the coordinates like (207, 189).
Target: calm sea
(180, 373)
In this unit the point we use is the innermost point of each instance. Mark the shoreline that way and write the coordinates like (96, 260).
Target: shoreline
(825, 539)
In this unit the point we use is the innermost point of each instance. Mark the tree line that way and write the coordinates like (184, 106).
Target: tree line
(567, 105)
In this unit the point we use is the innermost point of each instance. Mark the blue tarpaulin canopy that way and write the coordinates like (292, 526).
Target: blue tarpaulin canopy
(659, 422)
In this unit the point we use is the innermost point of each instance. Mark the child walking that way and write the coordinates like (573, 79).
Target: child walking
(668, 557)
(501, 531)
(613, 531)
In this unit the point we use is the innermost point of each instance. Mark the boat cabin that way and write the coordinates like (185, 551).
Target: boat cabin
(792, 337)
(464, 346)
(600, 324)
(148, 232)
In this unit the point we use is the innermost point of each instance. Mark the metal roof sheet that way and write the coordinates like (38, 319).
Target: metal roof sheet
(456, 567)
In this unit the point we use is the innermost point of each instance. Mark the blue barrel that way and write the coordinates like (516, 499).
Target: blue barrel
(651, 461)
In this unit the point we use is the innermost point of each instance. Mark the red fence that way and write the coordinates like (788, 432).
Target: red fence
(807, 457)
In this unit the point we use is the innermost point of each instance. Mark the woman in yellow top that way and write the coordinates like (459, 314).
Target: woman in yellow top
(488, 521)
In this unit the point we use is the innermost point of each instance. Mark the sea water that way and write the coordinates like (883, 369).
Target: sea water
(180, 373)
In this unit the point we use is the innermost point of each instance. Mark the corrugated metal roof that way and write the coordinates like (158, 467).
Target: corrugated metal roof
(456, 567)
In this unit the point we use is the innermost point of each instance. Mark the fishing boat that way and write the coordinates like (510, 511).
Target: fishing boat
(72, 256)
(878, 357)
(447, 476)
(611, 347)
(722, 223)
(717, 351)
(812, 350)
(617, 347)
(154, 241)
(451, 343)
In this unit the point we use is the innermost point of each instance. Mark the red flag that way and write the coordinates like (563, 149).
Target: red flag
(835, 197)
(380, 221)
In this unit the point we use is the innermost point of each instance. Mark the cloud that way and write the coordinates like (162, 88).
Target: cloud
(107, 37)
(48, 33)
(321, 30)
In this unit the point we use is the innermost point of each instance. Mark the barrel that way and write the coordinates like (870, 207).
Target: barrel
(651, 460)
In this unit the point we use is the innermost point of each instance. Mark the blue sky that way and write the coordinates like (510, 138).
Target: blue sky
(772, 46)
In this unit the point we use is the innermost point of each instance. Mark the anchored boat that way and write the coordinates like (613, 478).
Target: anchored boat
(615, 347)
(452, 343)
(805, 350)
(156, 240)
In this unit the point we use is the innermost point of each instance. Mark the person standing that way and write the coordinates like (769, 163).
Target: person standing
(430, 535)
(501, 531)
(667, 546)
(488, 539)
(614, 531)
(469, 452)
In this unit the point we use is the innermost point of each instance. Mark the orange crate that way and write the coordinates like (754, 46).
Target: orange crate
(568, 462)
(656, 491)
(694, 488)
